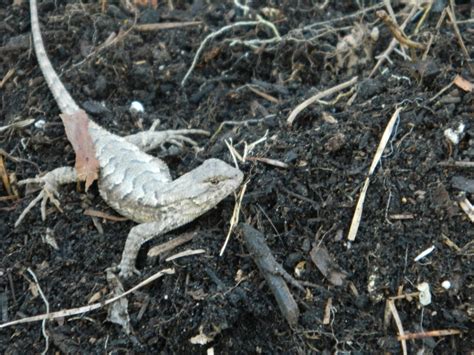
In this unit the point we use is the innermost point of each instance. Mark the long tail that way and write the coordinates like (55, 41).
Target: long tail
(64, 100)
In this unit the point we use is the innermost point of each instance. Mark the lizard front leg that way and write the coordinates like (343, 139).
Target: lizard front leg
(50, 182)
(151, 139)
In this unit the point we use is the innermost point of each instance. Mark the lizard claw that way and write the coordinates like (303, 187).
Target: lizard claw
(49, 192)
(127, 271)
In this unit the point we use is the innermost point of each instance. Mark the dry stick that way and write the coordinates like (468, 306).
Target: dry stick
(272, 271)
(452, 17)
(317, 97)
(170, 245)
(443, 90)
(457, 164)
(398, 322)
(149, 27)
(219, 32)
(428, 334)
(99, 214)
(378, 154)
(467, 207)
(7, 76)
(393, 43)
(43, 324)
(346, 17)
(397, 32)
(91, 307)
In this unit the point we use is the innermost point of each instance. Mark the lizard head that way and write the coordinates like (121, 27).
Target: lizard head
(203, 188)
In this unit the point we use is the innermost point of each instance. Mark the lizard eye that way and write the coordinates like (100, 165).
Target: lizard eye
(214, 180)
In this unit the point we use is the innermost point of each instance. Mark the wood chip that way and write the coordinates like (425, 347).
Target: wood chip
(326, 265)
(272, 272)
(463, 84)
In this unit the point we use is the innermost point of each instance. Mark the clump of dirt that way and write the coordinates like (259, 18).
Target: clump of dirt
(303, 181)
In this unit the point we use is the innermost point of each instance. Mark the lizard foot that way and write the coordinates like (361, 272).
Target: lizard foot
(127, 271)
(152, 139)
(49, 192)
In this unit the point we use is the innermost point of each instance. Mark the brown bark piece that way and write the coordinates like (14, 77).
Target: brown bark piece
(76, 126)
(462, 83)
(272, 271)
(327, 266)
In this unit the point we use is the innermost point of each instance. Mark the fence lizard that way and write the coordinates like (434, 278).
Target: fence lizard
(134, 183)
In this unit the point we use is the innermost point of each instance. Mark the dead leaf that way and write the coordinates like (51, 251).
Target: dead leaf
(327, 266)
(146, 3)
(463, 84)
(87, 165)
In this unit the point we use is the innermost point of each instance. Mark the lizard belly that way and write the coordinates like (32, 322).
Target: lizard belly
(129, 179)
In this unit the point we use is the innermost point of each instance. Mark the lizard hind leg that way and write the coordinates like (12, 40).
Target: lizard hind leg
(137, 236)
(50, 183)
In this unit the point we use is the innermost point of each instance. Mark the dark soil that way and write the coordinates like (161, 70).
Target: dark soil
(411, 204)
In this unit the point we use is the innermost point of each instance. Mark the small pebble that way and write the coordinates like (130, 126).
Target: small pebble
(454, 136)
(446, 284)
(40, 123)
(425, 294)
(136, 107)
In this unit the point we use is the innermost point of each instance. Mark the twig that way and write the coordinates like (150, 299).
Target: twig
(273, 273)
(443, 90)
(346, 17)
(43, 324)
(219, 32)
(457, 164)
(397, 32)
(393, 43)
(88, 308)
(238, 123)
(150, 27)
(428, 334)
(99, 214)
(378, 155)
(467, 207)
(452, 17)
(317, 97)
(398, 322)
(7, 76)
(170, 245)
(269, 161)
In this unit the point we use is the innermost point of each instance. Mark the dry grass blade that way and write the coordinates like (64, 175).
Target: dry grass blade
(189, 252)
(235, 217)
(468, 209)
(378, 154)
(7, 76)
(317, 97)
(94, 213)
(398, 322)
